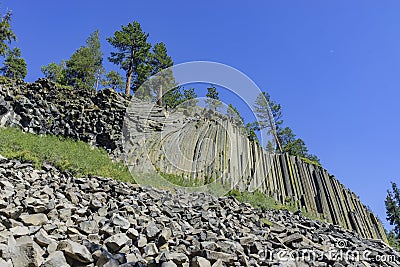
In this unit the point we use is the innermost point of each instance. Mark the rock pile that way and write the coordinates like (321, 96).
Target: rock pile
(44, 108)
(50, 218)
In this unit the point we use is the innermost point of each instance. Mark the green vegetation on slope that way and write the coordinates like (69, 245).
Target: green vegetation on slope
(180, 180)
(393, 241)
(261, 201)
(77, 157)
(309, 161)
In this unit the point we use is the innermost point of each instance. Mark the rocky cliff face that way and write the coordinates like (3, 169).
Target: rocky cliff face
(199, 145)
(43, 108)
(209, 147)
(53, 219)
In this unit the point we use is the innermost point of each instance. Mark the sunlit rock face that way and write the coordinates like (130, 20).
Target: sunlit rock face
(206, 147)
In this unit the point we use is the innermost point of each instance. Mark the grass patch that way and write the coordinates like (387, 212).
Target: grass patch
(259, 200)
(266, 222)
(180, 180)
(66, 154)
(172, 182)
(309, 161)
(264, 202)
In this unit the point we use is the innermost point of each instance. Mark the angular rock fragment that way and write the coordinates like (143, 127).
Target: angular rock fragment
(120, 221)
(106, 259)
(75, 251)
(214, 255)
(293, 238)
(89, 227)
(26, 253)
(200, 262)
(150, 250)
(56, 259)
(168, 264)
(117, 241)
(152, 230)
(43, 239)
(34, 219)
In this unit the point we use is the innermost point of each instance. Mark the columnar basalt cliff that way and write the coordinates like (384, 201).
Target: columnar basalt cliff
(198, 144)
(207, 146)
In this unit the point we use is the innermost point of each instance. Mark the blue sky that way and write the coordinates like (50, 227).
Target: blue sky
(333, 65)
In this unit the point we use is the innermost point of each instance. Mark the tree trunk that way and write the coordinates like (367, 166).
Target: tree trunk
(129, 73)
(273, 129)
(128, 80)
(97, 82)
(160, 95)
(278, 142)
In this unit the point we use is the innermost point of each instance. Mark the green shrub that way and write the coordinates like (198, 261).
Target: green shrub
(77, 157)
(306, 160)
(266, 222)
(6, 81)
(394, 242)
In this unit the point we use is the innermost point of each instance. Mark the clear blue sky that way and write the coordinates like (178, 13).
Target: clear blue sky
(333, 65)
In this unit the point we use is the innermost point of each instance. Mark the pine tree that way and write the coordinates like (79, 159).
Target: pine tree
(189, 94)
(269, 115)
(164, 80)
(142, 87)
(55, 72)
(393, 209)
(213, 98)
(84, 68)
(250, 131)
(172, 98)
(189, 98)
(114, 80)
(93, 43)
(14, 65)
(294, 146)
(234, 113)
(132, 49)
(162, 84)
(6, 34)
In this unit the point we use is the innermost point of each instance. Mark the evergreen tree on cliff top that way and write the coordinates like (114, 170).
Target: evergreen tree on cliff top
(14, 65)
(269, 116)
(156, 66)
(84, 68)
(159, 62)
(234, 113)
(6, 33)
(393, 209)
(132, 49)
(114, 80)
(212, 100)
(55, 72)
